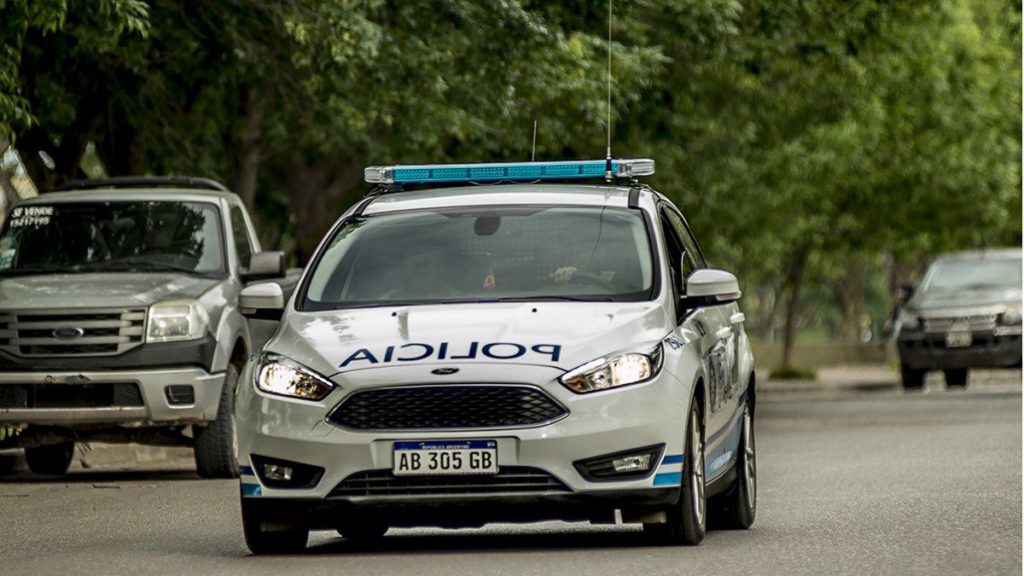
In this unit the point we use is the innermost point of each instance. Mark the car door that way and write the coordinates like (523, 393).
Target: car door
(722, 325)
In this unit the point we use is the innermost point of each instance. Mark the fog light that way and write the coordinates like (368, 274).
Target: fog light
(277, 472)
(625, 465)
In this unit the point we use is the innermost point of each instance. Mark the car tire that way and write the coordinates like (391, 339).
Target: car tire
(737, 507)
(912, 378)
(956, 378)
(265, 535)
(367, 531)
(52, 460)
(686, 521)
(216, 450)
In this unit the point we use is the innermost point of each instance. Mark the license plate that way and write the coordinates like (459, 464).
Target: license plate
(958, 339)
(445, 457)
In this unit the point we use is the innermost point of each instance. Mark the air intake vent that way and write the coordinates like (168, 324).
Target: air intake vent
(509, 480)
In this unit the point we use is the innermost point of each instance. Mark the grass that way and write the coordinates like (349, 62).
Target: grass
(793, 373)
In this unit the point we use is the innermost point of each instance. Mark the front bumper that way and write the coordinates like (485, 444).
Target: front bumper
(150, 406)
(601, 423)
(921, 350)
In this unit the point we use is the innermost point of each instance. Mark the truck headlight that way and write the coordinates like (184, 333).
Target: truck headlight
(909, 320)
(278, 375)
(620, 370)
(174, 320)
(1012, 316)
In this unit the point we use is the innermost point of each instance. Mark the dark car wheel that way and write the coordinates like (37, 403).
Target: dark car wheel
(686, 521)
(956, 378)
(912, 378)
(264, 535)
(216, 449)
(53, 460)
(737, 507)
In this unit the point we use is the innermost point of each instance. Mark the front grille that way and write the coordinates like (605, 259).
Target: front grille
(972, 323)
(508, 480)
(92, 333)
(98, 395)
(446, 407)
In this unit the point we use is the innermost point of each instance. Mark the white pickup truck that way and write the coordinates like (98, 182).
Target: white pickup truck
(119, 319)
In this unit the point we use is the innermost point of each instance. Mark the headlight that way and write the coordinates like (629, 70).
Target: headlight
(909, 319)
(1012, 316)
(621, 370)
(176, 320)
(278, 375)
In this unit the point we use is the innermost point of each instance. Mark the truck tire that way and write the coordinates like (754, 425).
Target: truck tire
(216, 450)
(686, 521)
(737, 507)
(53, 460)
(956, 378)
(265, 535)
(912, 378)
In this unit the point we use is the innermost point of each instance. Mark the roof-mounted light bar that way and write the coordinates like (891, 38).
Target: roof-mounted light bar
(508, 171)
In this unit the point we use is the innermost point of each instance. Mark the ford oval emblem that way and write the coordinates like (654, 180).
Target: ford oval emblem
(444, 371)
(68, 333)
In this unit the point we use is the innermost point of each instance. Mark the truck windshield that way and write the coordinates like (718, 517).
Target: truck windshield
(981, 274)
(484, 254)
(112, 237)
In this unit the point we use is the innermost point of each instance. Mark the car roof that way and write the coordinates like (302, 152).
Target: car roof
(992, 253)
(131, 194)
(502, 195)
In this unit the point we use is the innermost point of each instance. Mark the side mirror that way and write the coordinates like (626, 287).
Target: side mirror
(903, 293)
(709, 287)
(262, 301)
(264, 265)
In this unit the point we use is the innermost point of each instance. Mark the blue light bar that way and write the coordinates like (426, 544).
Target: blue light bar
(507, 171)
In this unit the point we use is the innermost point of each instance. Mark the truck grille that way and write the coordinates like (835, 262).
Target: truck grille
(510, 479)
(973, 323)
(78, 333)
(446, 407)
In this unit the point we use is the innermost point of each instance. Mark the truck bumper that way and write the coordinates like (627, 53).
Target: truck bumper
(147, 397)
(928, 351)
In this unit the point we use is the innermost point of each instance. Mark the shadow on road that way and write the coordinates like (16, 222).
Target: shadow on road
(97, 476)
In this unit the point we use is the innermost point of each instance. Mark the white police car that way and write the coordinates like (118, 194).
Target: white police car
(503, 353)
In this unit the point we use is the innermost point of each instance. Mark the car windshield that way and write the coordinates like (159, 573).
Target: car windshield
(112, 237)
(484, 254)
(980, 274)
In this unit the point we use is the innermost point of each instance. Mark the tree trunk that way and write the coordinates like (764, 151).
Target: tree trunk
(318, 194)
(849, 295)
(795, 283)
(245, 148)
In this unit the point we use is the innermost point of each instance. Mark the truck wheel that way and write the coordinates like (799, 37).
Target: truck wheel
(956, 378)
(737, 507)
(913, 379)
(271, 536)
(215, 445)
(53, 460)
(686, 521)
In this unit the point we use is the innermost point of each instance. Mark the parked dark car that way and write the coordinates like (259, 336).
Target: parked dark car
(965, 313)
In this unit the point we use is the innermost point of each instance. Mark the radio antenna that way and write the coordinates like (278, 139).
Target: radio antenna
(608, 146)
(533, 149)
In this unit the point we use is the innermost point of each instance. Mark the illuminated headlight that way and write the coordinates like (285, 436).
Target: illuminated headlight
(1012, 316)
(277, 375)
(175, 320)
(621, 370)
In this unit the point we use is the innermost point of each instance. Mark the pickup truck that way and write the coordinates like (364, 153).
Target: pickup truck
(119, 318)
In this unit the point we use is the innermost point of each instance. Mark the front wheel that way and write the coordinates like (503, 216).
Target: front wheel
(265, 535)
(912, 378)
(216, 449)
(737, 508)
(686, 521)
(52, 460)
(956, 378)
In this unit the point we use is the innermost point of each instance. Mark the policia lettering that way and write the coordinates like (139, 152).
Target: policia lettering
(415, 352)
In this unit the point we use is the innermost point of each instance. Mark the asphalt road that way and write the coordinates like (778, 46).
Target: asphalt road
(863, 482)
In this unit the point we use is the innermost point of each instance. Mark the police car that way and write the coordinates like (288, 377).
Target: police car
(477, 343)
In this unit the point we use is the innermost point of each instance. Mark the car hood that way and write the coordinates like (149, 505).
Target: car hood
(937, 303)
(561, 335)
(97, 290)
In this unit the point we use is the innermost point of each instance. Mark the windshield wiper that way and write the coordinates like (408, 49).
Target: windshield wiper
(552, 299)
(131, 265)
(37, 268)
